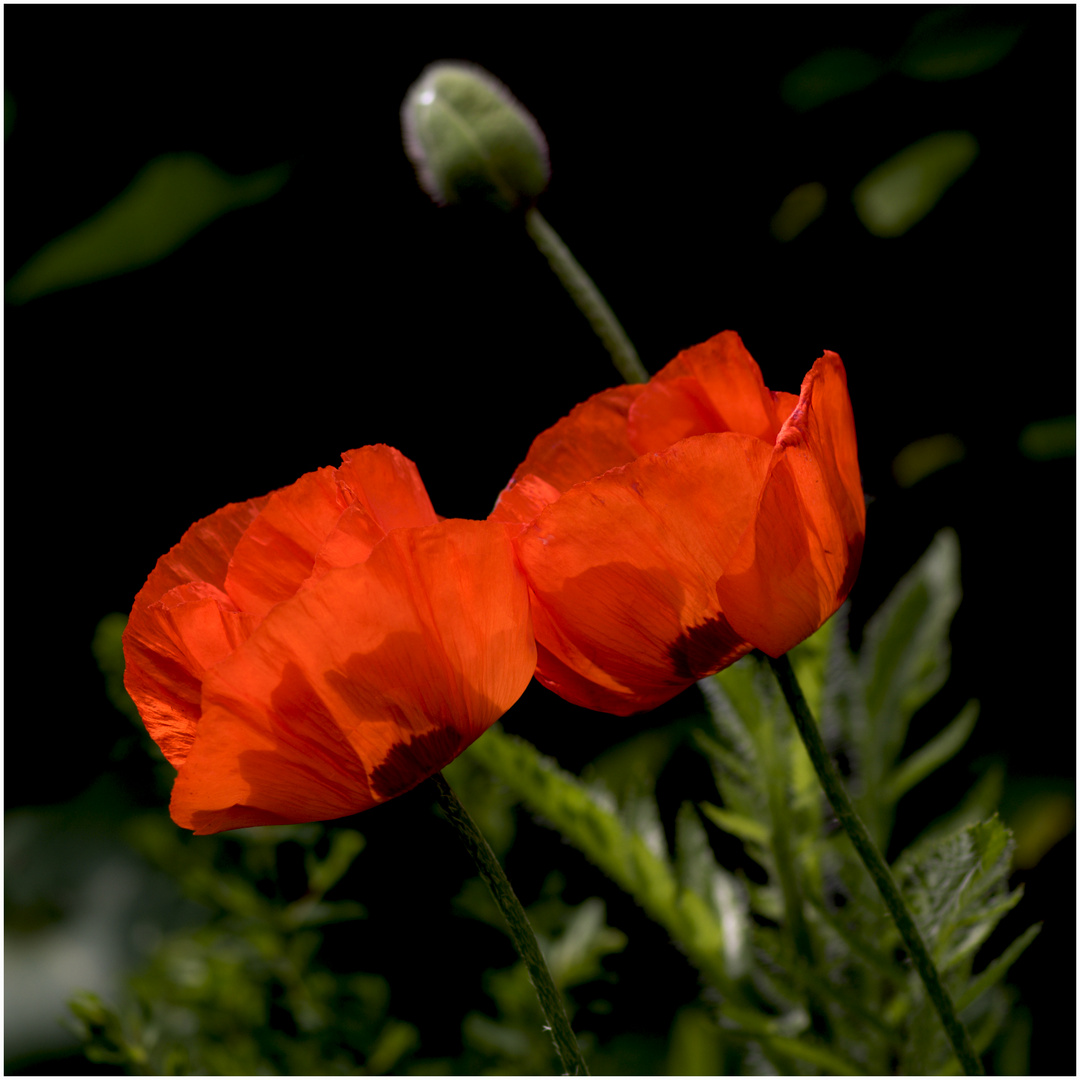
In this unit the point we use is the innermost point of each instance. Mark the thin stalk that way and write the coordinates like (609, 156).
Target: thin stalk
(875, 864)
(521, 931)
(587, 296)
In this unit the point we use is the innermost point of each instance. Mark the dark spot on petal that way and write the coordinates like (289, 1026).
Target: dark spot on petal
(705, 649)
(408, 764)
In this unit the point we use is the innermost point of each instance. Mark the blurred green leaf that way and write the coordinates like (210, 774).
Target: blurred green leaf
(587, 817)
(828, 75)
(168, 202)
(903, 190)
(904, 661)
(943, 746)
(926, 456)
(1048, 440)
(696, 1044)
(323, 875)
(1040, 815)
(801, 207)
(954, 42)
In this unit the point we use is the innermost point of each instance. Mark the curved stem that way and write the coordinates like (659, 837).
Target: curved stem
(587, 296)
(873, 861)
(524, 939)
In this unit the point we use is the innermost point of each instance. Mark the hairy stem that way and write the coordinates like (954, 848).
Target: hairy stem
(520, 930)
(873, 861)
(587, 296)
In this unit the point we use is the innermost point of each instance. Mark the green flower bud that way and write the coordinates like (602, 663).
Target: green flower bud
(470, 140)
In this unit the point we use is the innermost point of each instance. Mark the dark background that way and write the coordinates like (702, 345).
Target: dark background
(348, 310)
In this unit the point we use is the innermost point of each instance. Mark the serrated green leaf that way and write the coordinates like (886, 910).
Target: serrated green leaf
(957, 889)
(588, 820)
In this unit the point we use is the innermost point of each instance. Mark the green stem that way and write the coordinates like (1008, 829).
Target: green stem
(524, 939)
(587, 296)
(873, 861)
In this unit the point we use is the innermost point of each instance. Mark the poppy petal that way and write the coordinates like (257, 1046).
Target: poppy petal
(165, 648)
(623, 570)
(588, 442)
(797, 563)
(363, 684)
(732, 382)
(523, 499)
(669, 410)
(277, 553)
(388, 486)
(376, 489)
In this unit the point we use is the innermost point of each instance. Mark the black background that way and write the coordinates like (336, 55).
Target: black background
(348, 310)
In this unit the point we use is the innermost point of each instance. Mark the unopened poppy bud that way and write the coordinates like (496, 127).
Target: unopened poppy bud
(470, 140)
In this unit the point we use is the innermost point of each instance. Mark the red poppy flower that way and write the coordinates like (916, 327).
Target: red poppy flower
(672, 526)
(319, 650)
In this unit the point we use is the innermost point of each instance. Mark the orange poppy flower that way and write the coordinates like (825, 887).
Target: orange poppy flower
(672, 526)
(319, 650)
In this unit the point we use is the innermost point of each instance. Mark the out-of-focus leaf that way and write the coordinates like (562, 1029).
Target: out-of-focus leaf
(954, 42)
(829, 75)
(903, 190)
(905, 661)
(996, 969)
(1041, 820)
(323, 875)
(1047, 440)
(926, 456)
(801, 206)
(695, 1046)
(168, 202)
(934, 754)
(587, 817)
(575, 956)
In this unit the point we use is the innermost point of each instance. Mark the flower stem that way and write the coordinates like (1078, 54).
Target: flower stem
(524, 939)
(873, 861)
(587, 296)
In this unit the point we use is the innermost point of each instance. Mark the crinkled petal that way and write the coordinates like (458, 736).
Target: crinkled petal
(181, 618)
(624, 570)
(277, 553)
(523, 499)
(732, 382)
(364, 684)
(388, 486)
(588, 442)
(797, 563)
(669, 410)
(331, 517)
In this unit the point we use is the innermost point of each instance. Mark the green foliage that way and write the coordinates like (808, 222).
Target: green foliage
(213, 998)
(802, 971)
(947, 43)
(171, 199)
(805, 965)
